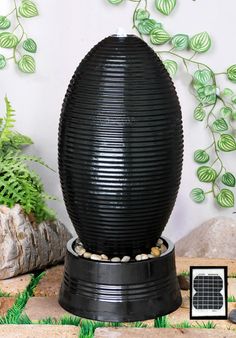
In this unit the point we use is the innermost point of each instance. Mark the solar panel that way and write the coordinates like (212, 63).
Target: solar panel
(208, 292)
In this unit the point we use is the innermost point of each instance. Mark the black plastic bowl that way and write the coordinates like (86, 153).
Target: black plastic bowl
(120, 292)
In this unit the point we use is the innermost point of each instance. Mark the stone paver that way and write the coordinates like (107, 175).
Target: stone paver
(15, 285)
(5, 304)
(167, 333)
(183, 263)
(39, 331)
(42, 307)
(50, 284)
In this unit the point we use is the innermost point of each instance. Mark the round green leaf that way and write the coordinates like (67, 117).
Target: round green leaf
(233, 99)
(8, 40)
(159, 36)
(206, 174)
(234, 116)
(27, 64)
(220, 125)
(30, 45)
(200, 42)
(115, 2)
(197, 195)
(226, 143)
(3, 61)
(165, 6)
(4, 22)
(201, 156)
(28, 9)
(209, 90)
(171, 66)
(204, 98)
(227, 92)
(180, 41)
(228, 179)
(199, 113)
(225, 198)
(203, 77)
(147, 25)
(141, 14)
(231, 73)
(226, 111)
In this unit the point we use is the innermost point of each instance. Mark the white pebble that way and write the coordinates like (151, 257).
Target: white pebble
(115, 259)
(125, 259)
(144, 257)
(104, 257)
(95, 257)
(80, 250)
(159, 242)
(138, 257)
(87, 254)
(163, 248)
(150, 256)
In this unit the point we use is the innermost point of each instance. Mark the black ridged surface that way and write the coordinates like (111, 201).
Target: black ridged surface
(120, 147)
(120, 292)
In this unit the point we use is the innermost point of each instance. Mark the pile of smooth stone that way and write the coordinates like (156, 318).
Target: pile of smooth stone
(156, 251)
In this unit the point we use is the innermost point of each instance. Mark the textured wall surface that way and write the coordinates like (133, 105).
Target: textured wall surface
(65, 32)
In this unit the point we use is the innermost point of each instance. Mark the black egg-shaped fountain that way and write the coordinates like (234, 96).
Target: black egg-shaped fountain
(120, 161)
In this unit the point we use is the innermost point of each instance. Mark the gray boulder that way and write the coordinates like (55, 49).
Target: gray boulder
(26, 246)
(215, 238)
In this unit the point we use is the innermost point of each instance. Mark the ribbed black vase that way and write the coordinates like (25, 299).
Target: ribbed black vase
(120, 147)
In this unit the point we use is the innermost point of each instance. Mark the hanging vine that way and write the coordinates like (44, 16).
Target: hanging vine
(14, 37)
(216, 108)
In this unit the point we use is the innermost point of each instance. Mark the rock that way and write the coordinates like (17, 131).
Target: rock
(115, 259)
(87, 254)
(104, 257)
(184, 282)
(232, 316)
(95, 257)
(163, 248)
(80, 250)
(144, 257)
(125, 259)
(213, 239)
(138, 257)
(159, 242)
(39, 331)
(150, 256)
(155, 251)
(26, 246)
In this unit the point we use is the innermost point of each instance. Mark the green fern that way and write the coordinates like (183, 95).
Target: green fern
(18, 182)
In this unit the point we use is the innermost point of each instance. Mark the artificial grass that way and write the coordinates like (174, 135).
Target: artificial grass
(185, 273)
(231, 299)
(4, 294)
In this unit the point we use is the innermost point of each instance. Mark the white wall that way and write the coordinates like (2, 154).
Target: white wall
(65, 32)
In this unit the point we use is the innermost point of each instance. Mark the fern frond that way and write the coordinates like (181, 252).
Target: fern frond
(8, 123)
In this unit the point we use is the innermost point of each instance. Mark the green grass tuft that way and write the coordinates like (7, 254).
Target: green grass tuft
(184, 325)
(161, 322)
(208, 325)
(4, 294)
(231, 299)
(184, 273)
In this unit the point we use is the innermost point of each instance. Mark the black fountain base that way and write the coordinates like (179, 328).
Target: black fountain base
(120, 292)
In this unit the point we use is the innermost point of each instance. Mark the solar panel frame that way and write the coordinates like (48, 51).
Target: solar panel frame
(213, 313)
